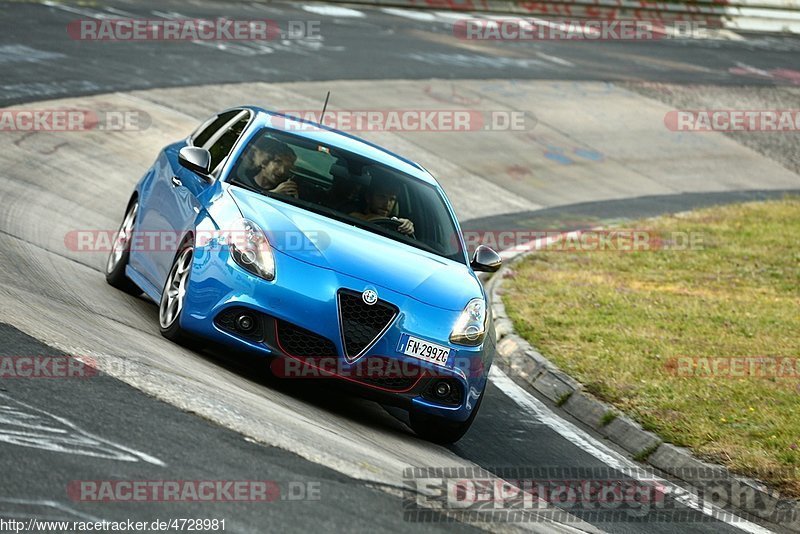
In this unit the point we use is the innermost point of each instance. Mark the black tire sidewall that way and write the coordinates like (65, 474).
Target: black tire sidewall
(174, 332)
(117, 277)
(440, 430)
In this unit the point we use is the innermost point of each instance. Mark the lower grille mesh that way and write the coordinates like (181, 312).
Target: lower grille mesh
(303, 343)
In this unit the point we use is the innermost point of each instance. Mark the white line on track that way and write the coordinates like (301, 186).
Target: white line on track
(121, 12)
(91, 13)
(456, 15)
(17, 53)
(44, 503)
(410, 14)
(555, 59)
(333, 11)
(134, 454)
(608, 456)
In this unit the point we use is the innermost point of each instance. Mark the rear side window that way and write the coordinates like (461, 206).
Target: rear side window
(206, 133)
(223, 146)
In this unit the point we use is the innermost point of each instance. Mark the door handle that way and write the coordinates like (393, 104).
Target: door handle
(176, 182)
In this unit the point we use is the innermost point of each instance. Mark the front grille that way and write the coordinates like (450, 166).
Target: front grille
(303, 343)
(362, 324)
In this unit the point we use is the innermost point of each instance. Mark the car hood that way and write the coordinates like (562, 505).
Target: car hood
(355, 252)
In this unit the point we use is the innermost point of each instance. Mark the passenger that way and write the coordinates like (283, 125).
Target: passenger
(381, 197)
(267, 166)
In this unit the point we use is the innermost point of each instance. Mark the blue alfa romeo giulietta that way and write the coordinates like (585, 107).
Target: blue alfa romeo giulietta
(331, 256)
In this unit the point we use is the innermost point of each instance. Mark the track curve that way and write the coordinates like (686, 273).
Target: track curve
(59, 183)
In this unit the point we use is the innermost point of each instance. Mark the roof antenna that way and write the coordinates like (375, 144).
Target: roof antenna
(324, 107)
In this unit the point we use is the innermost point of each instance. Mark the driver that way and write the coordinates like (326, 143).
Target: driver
(267, 165)
(381, 197)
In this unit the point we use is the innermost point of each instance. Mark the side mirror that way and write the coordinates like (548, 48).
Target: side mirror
(485, 259)
(196, 160)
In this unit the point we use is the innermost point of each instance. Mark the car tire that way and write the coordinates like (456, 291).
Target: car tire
(440, 430)
(170, 306)
(121, 252)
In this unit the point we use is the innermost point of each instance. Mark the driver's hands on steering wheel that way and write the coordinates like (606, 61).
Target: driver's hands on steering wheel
(405, 227)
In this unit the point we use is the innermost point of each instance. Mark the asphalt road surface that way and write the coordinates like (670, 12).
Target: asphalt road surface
(595, 150)
(361, 43)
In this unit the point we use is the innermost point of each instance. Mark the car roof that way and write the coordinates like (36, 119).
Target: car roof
(331, 137)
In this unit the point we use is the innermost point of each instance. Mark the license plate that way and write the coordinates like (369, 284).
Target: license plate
(423, 350)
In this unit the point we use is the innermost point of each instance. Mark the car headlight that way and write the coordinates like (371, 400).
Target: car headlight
(251, 250)
(470, 328)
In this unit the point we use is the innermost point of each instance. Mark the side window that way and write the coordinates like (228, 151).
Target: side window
(223, 146)
(202, 137)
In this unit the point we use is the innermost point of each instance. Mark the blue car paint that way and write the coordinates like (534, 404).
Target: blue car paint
(334, 245)
(429, 290)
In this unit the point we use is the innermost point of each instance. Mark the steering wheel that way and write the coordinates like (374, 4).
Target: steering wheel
(391, 224)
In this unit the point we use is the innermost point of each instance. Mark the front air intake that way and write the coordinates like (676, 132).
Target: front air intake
(302, 343)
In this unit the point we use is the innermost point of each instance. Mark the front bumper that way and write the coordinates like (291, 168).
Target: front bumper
(303, 296)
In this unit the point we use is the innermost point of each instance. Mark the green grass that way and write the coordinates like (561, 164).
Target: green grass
(607, 418)
(642, 455)
(616, 321)
(562, 400)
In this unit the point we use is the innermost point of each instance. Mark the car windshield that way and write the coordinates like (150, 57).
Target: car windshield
(349, 188)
